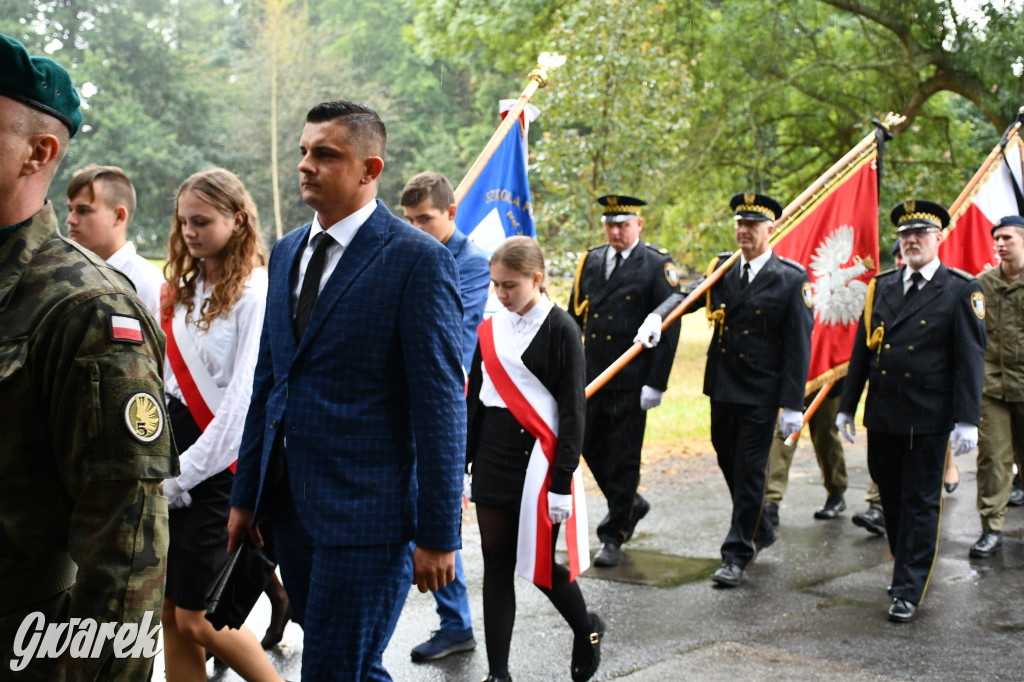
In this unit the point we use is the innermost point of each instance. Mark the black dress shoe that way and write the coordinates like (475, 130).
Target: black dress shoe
(1016, 494)
(275, 631)
(990, 542)
(640, 509)
(609, 555)
(950, 487)
(771, 510)
(729, 575)
(586, 654)
(497, 678)
(830, 510)
(901, 611)
(873, 521)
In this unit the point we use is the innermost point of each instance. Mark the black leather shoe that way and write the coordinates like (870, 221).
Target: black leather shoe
(830, 510)
(497, 678)
(950, 487)
(990, 542)
(901, 611)
(729, 575)
(640, 509)
(873, 521)
(771, 510)
(586, 655)
(609, 555)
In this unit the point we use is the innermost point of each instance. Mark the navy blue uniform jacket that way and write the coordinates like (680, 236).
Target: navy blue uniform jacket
(928, 372)
(370, 402)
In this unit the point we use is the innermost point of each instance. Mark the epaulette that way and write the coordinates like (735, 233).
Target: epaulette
(886, 273)
(656, 249)
(596, 246)
(724, 254)
(792, 264)
(962, 273)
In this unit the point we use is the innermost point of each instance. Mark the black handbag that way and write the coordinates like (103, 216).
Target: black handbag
(238, 586)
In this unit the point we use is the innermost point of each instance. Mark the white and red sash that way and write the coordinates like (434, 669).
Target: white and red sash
(535, 408)
(202, 394)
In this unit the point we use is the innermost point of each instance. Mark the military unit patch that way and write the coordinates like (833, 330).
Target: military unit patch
(978, 304)
(807, 294)
(144, 416)
(671, 275)
(126, 329)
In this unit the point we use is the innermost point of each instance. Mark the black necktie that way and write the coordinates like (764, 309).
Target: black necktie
(915, 280)
(745, 277)
(616, 264)
(311, 283)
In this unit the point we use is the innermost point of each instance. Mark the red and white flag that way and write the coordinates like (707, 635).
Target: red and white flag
(835, 236)
(988, 197)
(535, 408)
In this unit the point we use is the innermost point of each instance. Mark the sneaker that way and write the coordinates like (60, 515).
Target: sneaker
(443, 643)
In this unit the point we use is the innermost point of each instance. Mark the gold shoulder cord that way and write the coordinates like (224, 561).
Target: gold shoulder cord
(580, 309)
(873, 338)
(715, 317)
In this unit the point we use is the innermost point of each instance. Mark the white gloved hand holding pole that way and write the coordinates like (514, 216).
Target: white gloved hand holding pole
(790, 421)
(649, 332)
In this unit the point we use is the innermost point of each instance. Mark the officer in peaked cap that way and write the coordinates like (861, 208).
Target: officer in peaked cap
(757, 363)
(617, 285)
(86, 445)
(920, 348)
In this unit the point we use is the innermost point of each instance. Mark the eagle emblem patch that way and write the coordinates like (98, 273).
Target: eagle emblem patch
(671, 275)
(807, 294)
(144, 417)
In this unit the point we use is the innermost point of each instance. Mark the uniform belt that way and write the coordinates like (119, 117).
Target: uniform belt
(41, 583)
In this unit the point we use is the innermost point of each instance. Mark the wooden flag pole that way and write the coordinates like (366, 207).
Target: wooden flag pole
(809, 412)
(1010, 133)
(823, 182)
(538, 77)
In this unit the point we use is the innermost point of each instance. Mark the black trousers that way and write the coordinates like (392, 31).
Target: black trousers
(742, 438)
(612, 443)
(908, 470)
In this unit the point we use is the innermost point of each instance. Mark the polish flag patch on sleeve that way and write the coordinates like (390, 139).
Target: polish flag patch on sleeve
(126, 329)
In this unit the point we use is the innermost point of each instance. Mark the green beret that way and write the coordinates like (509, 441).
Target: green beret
(39, 82)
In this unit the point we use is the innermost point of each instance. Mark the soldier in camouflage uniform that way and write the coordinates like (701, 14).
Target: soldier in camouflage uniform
(84, 445)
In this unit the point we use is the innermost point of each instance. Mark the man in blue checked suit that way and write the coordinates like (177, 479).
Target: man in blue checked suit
(354, 440)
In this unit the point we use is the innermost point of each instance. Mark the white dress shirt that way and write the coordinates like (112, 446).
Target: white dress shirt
(526, 327)
(341, 234)
(927, 271)
(147, 278)
(228, 349)
(755, 264)
(609, 257)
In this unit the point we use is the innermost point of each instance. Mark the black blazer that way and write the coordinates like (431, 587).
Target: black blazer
(761, 353)
(555, 356)
(929, 370)
(617, 306)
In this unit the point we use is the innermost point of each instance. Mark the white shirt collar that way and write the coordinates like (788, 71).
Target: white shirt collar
(927, 270)
(536, 314)
(122, 255)
(756, 263)
(610, 256)
(345, 229)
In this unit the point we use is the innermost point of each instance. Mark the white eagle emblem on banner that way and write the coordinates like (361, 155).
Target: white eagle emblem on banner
(838, 296)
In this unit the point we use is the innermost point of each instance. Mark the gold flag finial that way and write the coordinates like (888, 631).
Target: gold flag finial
(892, 119)
(546, 62)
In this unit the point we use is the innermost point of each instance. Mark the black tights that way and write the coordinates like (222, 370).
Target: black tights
(499, 530)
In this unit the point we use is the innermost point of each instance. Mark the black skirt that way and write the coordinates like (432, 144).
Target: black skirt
(199, 534)
(499, 463)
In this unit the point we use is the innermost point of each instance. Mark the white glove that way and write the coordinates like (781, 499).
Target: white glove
(559, 507)
(467, 486)
(650, 397)
(844, 422)
(790, 421)
(181, 501)
(963, 438)
(649, 332)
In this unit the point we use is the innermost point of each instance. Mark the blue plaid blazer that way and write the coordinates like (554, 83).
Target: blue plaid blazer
(370, 399)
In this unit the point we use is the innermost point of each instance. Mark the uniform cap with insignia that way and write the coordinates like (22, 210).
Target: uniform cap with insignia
(618, 208)
(1009, 221)
(751, 206)
(38, 82)
(915, 214)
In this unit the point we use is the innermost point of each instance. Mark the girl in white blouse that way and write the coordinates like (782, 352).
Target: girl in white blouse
(212, 310)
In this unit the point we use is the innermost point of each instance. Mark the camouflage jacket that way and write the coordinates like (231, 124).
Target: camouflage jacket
(84, 445)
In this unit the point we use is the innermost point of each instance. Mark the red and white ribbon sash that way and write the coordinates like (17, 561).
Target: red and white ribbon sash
(202, 394)
(535, 408)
